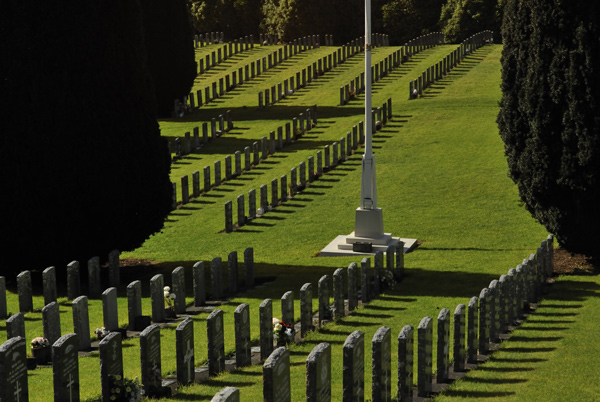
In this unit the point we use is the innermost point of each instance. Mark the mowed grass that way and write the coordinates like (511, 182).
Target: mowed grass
(441, 178)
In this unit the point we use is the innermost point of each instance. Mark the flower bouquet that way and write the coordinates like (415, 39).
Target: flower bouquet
(125, 389)
(282, 332)
(40, 350)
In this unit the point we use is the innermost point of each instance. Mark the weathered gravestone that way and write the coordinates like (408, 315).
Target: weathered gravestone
(405, 363)
(134, 304)
(227, 394)
(338, 293)
(199, 280)
(94, 282)
(276, 376)
(241, 316)
(3, 306)
(15, 326)
(354, 367)
(49, 285)
(287, 308)
(352, 286)
(51, 322)
(493, 310)
(216, 342)
(150, 356)
(184, 344)
(472, 328)
(111, 363)
(265, 313)
(425, 360)
(114, 278)
(110, 309)
(365, 279)
(157, 297)
(443, 345)
(65, 368)
(306, 315)
(25, 292)
(13, 371)
(381, 347)
(460, 352)
(484, 322)
(216, 270)
(318, 374)
(324, 307)
(232, 268)
(178, 288)
(73, 280)
(81, 322)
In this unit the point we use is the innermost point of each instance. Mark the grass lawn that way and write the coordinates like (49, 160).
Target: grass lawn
(441, 178)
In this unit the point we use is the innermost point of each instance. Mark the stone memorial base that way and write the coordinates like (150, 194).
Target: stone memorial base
(344, 245)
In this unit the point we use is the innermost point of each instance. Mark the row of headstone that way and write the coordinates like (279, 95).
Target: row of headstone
(233, 47)
(449, 62)
(302, 175)
(192, 141)
(49, 286)
(245, 73)
(304, 77)
(423, 42)
(206, 39)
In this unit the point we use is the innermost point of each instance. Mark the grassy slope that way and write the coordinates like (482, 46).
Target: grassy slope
(441, 178)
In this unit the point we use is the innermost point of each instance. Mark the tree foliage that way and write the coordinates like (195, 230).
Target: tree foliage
(462, 18)
(82, 164)
(236, 18)
(169, 41)
(548, 119)
(406, 19)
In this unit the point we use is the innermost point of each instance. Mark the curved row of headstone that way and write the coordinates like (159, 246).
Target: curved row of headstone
(49, 288)
(505, 300)
(201, 40)
(282, 190)
(218, 126)
(444, 66)
(259, 151)
(312, 72)
(246, 73)
(383, 67)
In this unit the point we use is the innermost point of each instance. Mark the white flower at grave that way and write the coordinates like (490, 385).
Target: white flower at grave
(288, 332)
(166, 294)
(172, 296)
(277, 327)
(276, 320)
(260, 211)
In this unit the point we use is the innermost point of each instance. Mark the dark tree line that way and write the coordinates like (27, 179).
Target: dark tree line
(83, 167)
(549, 118)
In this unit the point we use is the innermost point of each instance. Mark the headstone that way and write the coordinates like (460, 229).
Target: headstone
(157, 297)
(241, 316)
(484, 321)
(503, 302)
(378, 273)
(493, 311)
(318, 374)
(405, 364)
(51, 322)
(114, 278)
(324, 306)
(3, 306)
(338, 293)
(381, 347)
(354, 367)
(65, 368)
(178, 288)
(206, 178)
(81, 322)
(265, 313)
(15, 326)
(199, 284)
(352, 286)
(276, 376)
(460, 351)
(49, 285)
(249, 267)
(94, 283)
(73, 281)
(111, 363)
(150, 356)
(134, 303)
(287, 308)
(216, 270)
(472, 328)
(109, 309)
(184, 344)
(443, 345)
(232, 268)
(216, 342)
(252, 203)
(13, 370)
(306, 314)
(399, 271)
(25, 292)
(425, 360)
(227, 394)
(365, 279)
